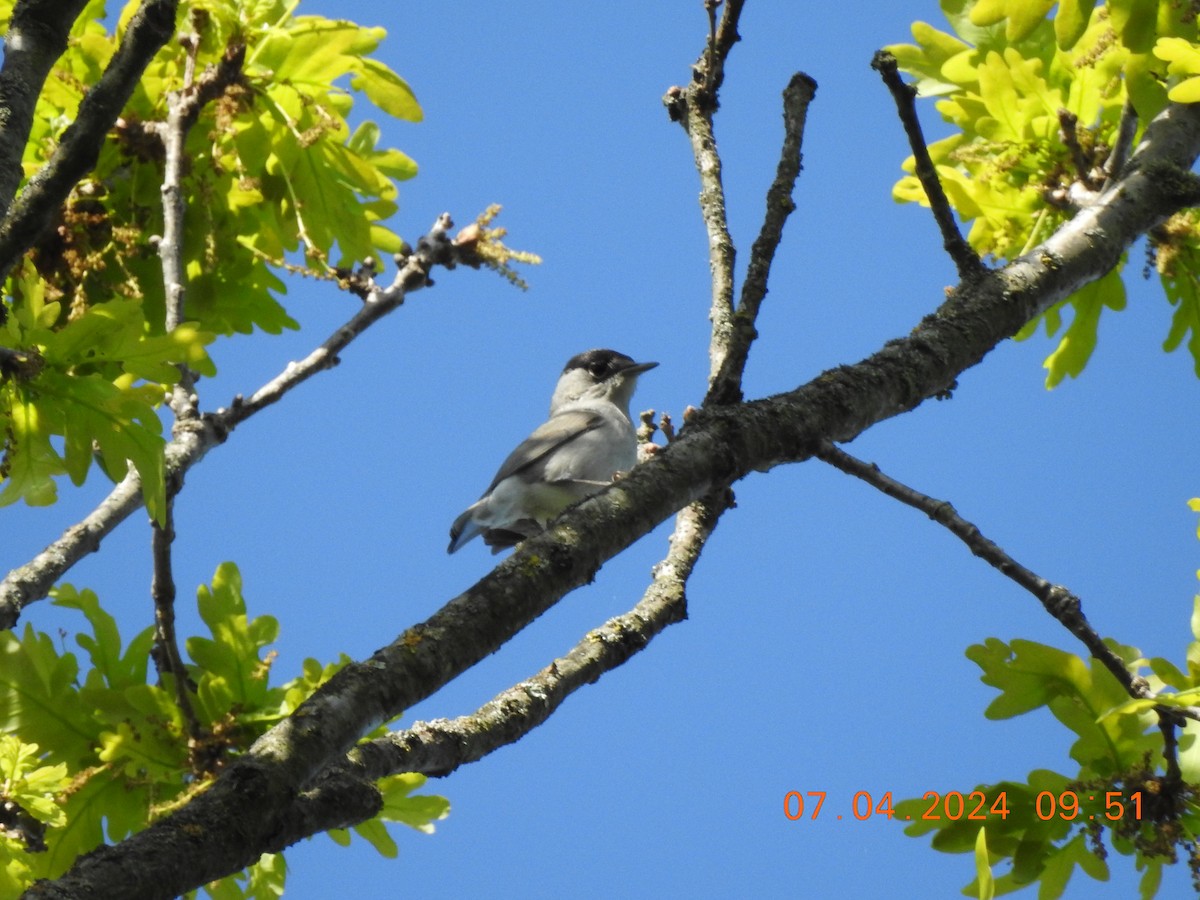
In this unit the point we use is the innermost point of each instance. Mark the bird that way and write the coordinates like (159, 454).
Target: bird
(587, 440)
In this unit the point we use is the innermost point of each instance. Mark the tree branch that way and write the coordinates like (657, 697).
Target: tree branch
(966, 260)
(344, 794)
(36, 38)
(721, 38)
(167, 659)
(733, 331)
(434, 249)
(1123, 145)
(726, 386)
(183, 108)
(38, 204)
(1068, 129)
(439, 747)
(694, 107)
(1056, 599)
(193, 439)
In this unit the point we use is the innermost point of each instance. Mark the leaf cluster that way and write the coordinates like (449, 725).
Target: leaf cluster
(1055, 823)
(276, 179)
(1037, 104)
(102, 376)
(102, 752)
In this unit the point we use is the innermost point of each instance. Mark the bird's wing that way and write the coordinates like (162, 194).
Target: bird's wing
(557, 431)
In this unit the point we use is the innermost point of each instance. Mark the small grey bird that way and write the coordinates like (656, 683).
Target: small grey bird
(574, 454)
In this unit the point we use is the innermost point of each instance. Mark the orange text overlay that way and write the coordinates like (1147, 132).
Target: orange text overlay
(977, 806)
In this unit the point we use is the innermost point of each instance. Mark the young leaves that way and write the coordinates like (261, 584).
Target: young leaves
(1125, 792)
(102, 379)
(273, 180)
(116, 751)
(1036, 93)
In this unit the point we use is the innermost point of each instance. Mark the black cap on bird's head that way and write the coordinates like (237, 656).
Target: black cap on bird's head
(603, 364)
(585, 372)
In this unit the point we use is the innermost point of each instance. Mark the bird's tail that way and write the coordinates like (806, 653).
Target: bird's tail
(464, 529)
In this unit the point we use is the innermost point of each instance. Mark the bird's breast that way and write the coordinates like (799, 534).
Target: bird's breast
(596, 455)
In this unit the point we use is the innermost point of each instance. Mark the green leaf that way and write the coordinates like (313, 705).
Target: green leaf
(1031, 675)
(39, 699)
(1135, 21)
(377, 836)
(1060, 866)
(105, 805)
(1185, 92)
(1027, 674)
(386, 89)
(1179, 281)
(1151, 879)
(420, 811)
(265, 880)
(31, 785)
(232, 675)
(314, 50)
(30, 463)
(1022, 16)
(1078, 343)
(103, 646)
(983, 869)
(1144, 84)
(139, 753)
(120, 422)
(1169, 673)
(1071, 21)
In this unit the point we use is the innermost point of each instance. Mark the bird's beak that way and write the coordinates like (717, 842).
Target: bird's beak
(638, 368)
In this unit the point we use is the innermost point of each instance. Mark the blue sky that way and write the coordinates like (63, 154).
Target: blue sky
(824, 649)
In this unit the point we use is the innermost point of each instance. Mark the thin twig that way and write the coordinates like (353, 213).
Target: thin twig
(1056, 599)
(435, 248)
(1174, 775)
(167, 659)
(710, 72)
(712, 65)
(182, 112)
(31, 582)
(726, 386)
(694, 107)
(183, 109)
(174, 134)
(1068, 125)
(966, 260)
(440, 746)
(1122, 146)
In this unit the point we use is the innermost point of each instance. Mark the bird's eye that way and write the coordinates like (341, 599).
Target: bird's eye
(597, 370)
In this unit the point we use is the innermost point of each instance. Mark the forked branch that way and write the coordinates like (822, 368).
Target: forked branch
(726, 385)
(192, 441)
